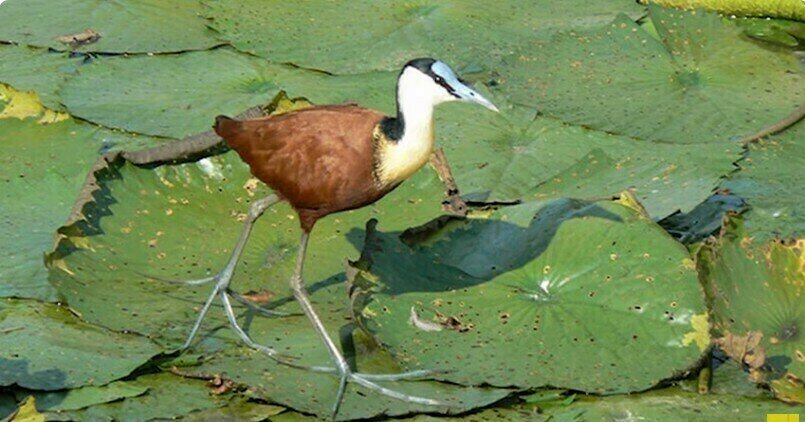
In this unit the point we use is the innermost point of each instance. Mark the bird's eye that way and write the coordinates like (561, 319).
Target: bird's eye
(439, 80)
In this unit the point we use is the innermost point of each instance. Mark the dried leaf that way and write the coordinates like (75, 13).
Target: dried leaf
(87, 36)
(746, 349)
(259, 296)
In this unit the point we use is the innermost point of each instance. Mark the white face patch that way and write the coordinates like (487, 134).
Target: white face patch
(415, 87)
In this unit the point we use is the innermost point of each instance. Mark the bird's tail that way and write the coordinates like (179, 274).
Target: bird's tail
(224, 126)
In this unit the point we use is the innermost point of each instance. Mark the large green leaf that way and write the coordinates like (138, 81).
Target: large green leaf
(237, 410)
(519, 155)
(37, 70)
(778, 31)
(45, 347)
(729, 378)
(792, 9)
(591, 296)
(124, 26)
(765, 181)
(698, 81)
(669, 405)
(173, 95)
(168, 397)
(80, 398)
(8, 404)
(42, 168)
(181, 222)
(357, 36)
(704, 220)
(757, 287)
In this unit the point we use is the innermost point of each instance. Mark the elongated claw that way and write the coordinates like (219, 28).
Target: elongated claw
(194, 282)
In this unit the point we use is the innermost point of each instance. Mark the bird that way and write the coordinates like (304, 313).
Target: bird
(328, 159)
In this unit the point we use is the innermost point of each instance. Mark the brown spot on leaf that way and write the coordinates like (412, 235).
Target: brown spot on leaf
(453, 323)
(259, 296)
(87, 36)
(219, 385)
(745, 349)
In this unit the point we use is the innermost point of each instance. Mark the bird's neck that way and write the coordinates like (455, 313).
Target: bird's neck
(409, 136)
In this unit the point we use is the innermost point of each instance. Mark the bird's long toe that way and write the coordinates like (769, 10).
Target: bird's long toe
(361, 380)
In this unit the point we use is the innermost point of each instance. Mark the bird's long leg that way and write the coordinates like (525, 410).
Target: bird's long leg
(342, 367)
(453, 203)
(223, 278)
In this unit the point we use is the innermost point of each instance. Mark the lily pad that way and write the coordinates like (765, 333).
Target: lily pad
(37, 195)
(39, 187)
(238, 410)
(729, 378)
(755, 288)
(122, 26)
(704, 220)
(383, 35)
(170, 95)
(519, 155)
(8, 405)
(778, 31)
(791, 9)
(45, 347)
(168, 397)
(699, 82)
(37, 70)
(765, 181)
(670, 404)
(27, 412)
(591, 296)
(180, 222)
(79, 398)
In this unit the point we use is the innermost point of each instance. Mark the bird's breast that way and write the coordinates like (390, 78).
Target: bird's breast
(397, 160)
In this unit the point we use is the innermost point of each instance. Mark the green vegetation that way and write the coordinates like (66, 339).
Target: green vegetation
(634, 247)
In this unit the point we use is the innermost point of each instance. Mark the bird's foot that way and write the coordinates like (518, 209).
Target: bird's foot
(222, 291)
(455, 205)
(369, 381)
(222, 279)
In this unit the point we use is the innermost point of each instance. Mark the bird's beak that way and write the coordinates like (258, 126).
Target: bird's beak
(470, 95)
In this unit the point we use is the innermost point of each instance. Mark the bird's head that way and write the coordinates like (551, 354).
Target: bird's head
(430, 82)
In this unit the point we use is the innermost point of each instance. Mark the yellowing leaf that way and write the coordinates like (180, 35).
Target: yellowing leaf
(22, 105)
(28, 413)
(700, 333)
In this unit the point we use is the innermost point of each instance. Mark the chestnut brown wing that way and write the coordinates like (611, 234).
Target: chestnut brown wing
(319, 158)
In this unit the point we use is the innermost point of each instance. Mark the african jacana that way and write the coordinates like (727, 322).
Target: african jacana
(333, 158)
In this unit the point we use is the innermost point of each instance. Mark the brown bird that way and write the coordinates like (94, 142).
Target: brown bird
(333, 158)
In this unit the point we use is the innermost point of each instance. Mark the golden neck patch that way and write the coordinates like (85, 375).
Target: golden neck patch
(396, 161)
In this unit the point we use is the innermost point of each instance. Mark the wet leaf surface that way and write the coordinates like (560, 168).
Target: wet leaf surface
(766, 182)
(543, 293)
(753, 289)
(84, 397)
(39, 188)
(785, 9)
(465, 33)
(669, 404)
(145, 221)
(514, 280)
(695, 82)
(123, 26)
(34, 69)
(181, 97)
(168, 397)
(45, 347)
